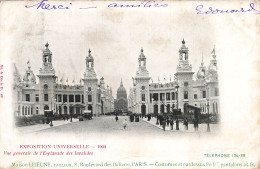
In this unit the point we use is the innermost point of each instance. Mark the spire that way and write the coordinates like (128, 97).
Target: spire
(202, 63)
(89, 51)
(142, 50)
(121, 83)
(47, 45)
(183, 41)
(214, 53)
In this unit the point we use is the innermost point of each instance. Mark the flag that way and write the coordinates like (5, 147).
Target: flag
(213, 51)
(28, 62)
(158, 80)
(170, 78)
(61, 80)
(67, 80)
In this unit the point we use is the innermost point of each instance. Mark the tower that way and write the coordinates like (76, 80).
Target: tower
(90, 86)
(142, 85)
(47, 81)
(184, 76)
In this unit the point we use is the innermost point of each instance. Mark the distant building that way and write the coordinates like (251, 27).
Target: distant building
(33, 98)
(159, 98)
(121, 100)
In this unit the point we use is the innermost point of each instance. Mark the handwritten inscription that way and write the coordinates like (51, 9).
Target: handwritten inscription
(201, 10)
(46, 6)
(145, 4)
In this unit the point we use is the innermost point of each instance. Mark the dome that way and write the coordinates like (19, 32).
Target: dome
(29, 77)
(121, 88)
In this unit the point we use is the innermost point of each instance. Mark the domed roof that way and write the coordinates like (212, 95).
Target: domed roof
(29, 76)
(121, 88)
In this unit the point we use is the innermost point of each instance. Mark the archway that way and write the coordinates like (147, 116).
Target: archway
(90, 108)
(185, 108)
(143, 109)
(168, 108)
(155, 109)
(162, 108)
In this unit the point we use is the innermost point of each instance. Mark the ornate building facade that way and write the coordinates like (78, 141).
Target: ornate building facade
(156, 98)
(33, 98)
(121, 99)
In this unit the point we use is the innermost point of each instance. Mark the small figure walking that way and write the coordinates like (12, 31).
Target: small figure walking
(116, 118)
(177, 124)
(163, 123)
(171, 124)
(124, 123)
(196, 124)
(186, 124)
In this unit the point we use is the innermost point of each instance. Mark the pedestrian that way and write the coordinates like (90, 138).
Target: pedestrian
(116, 118)
(124, 124)
(186, 124)
(177, 124)
(67, 118)
(195, 125)
(168, 120)
(163, 123)
(63, 118)
(171, 124)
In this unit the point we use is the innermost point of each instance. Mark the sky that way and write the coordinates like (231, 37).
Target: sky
(115, 38)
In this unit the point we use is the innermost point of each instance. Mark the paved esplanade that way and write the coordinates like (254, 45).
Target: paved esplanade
(108, 125)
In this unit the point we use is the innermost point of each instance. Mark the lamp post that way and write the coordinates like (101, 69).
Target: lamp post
(207, 88)
(177, 98)
(51, 124)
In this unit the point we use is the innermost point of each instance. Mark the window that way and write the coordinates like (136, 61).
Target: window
(77, 98)
(45, 86)
(37, 110)
(46, 97)
(59, 98)
(186, 84)
(195, 96)
(151, 97)
(82, 98)
(216, 92)
(143, 97)
(204, 94)
(168, 96)
(89, 89)
(27, 97)
(65, 99)
(161, 96)
(143, 87)
(155, 96)
(71, 98)
(173, 95)
(37, 98)
(89, 98)
(185, 94)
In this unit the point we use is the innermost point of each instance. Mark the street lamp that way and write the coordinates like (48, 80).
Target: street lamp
(207, 88)
(177, 98)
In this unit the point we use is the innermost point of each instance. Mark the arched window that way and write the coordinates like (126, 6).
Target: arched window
(216, 107)
(45, 86)
(168, 108)
(25, 110)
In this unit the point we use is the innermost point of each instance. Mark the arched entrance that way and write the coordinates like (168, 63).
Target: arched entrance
(155, 109)
(168, 108)
(185, 108)
(46, 107)
(90, 108)
(162, 108)
(143, 109)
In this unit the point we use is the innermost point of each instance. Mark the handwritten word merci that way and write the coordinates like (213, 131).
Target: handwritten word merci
(211, 10)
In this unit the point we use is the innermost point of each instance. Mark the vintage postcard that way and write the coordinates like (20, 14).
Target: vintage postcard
(129, 84)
